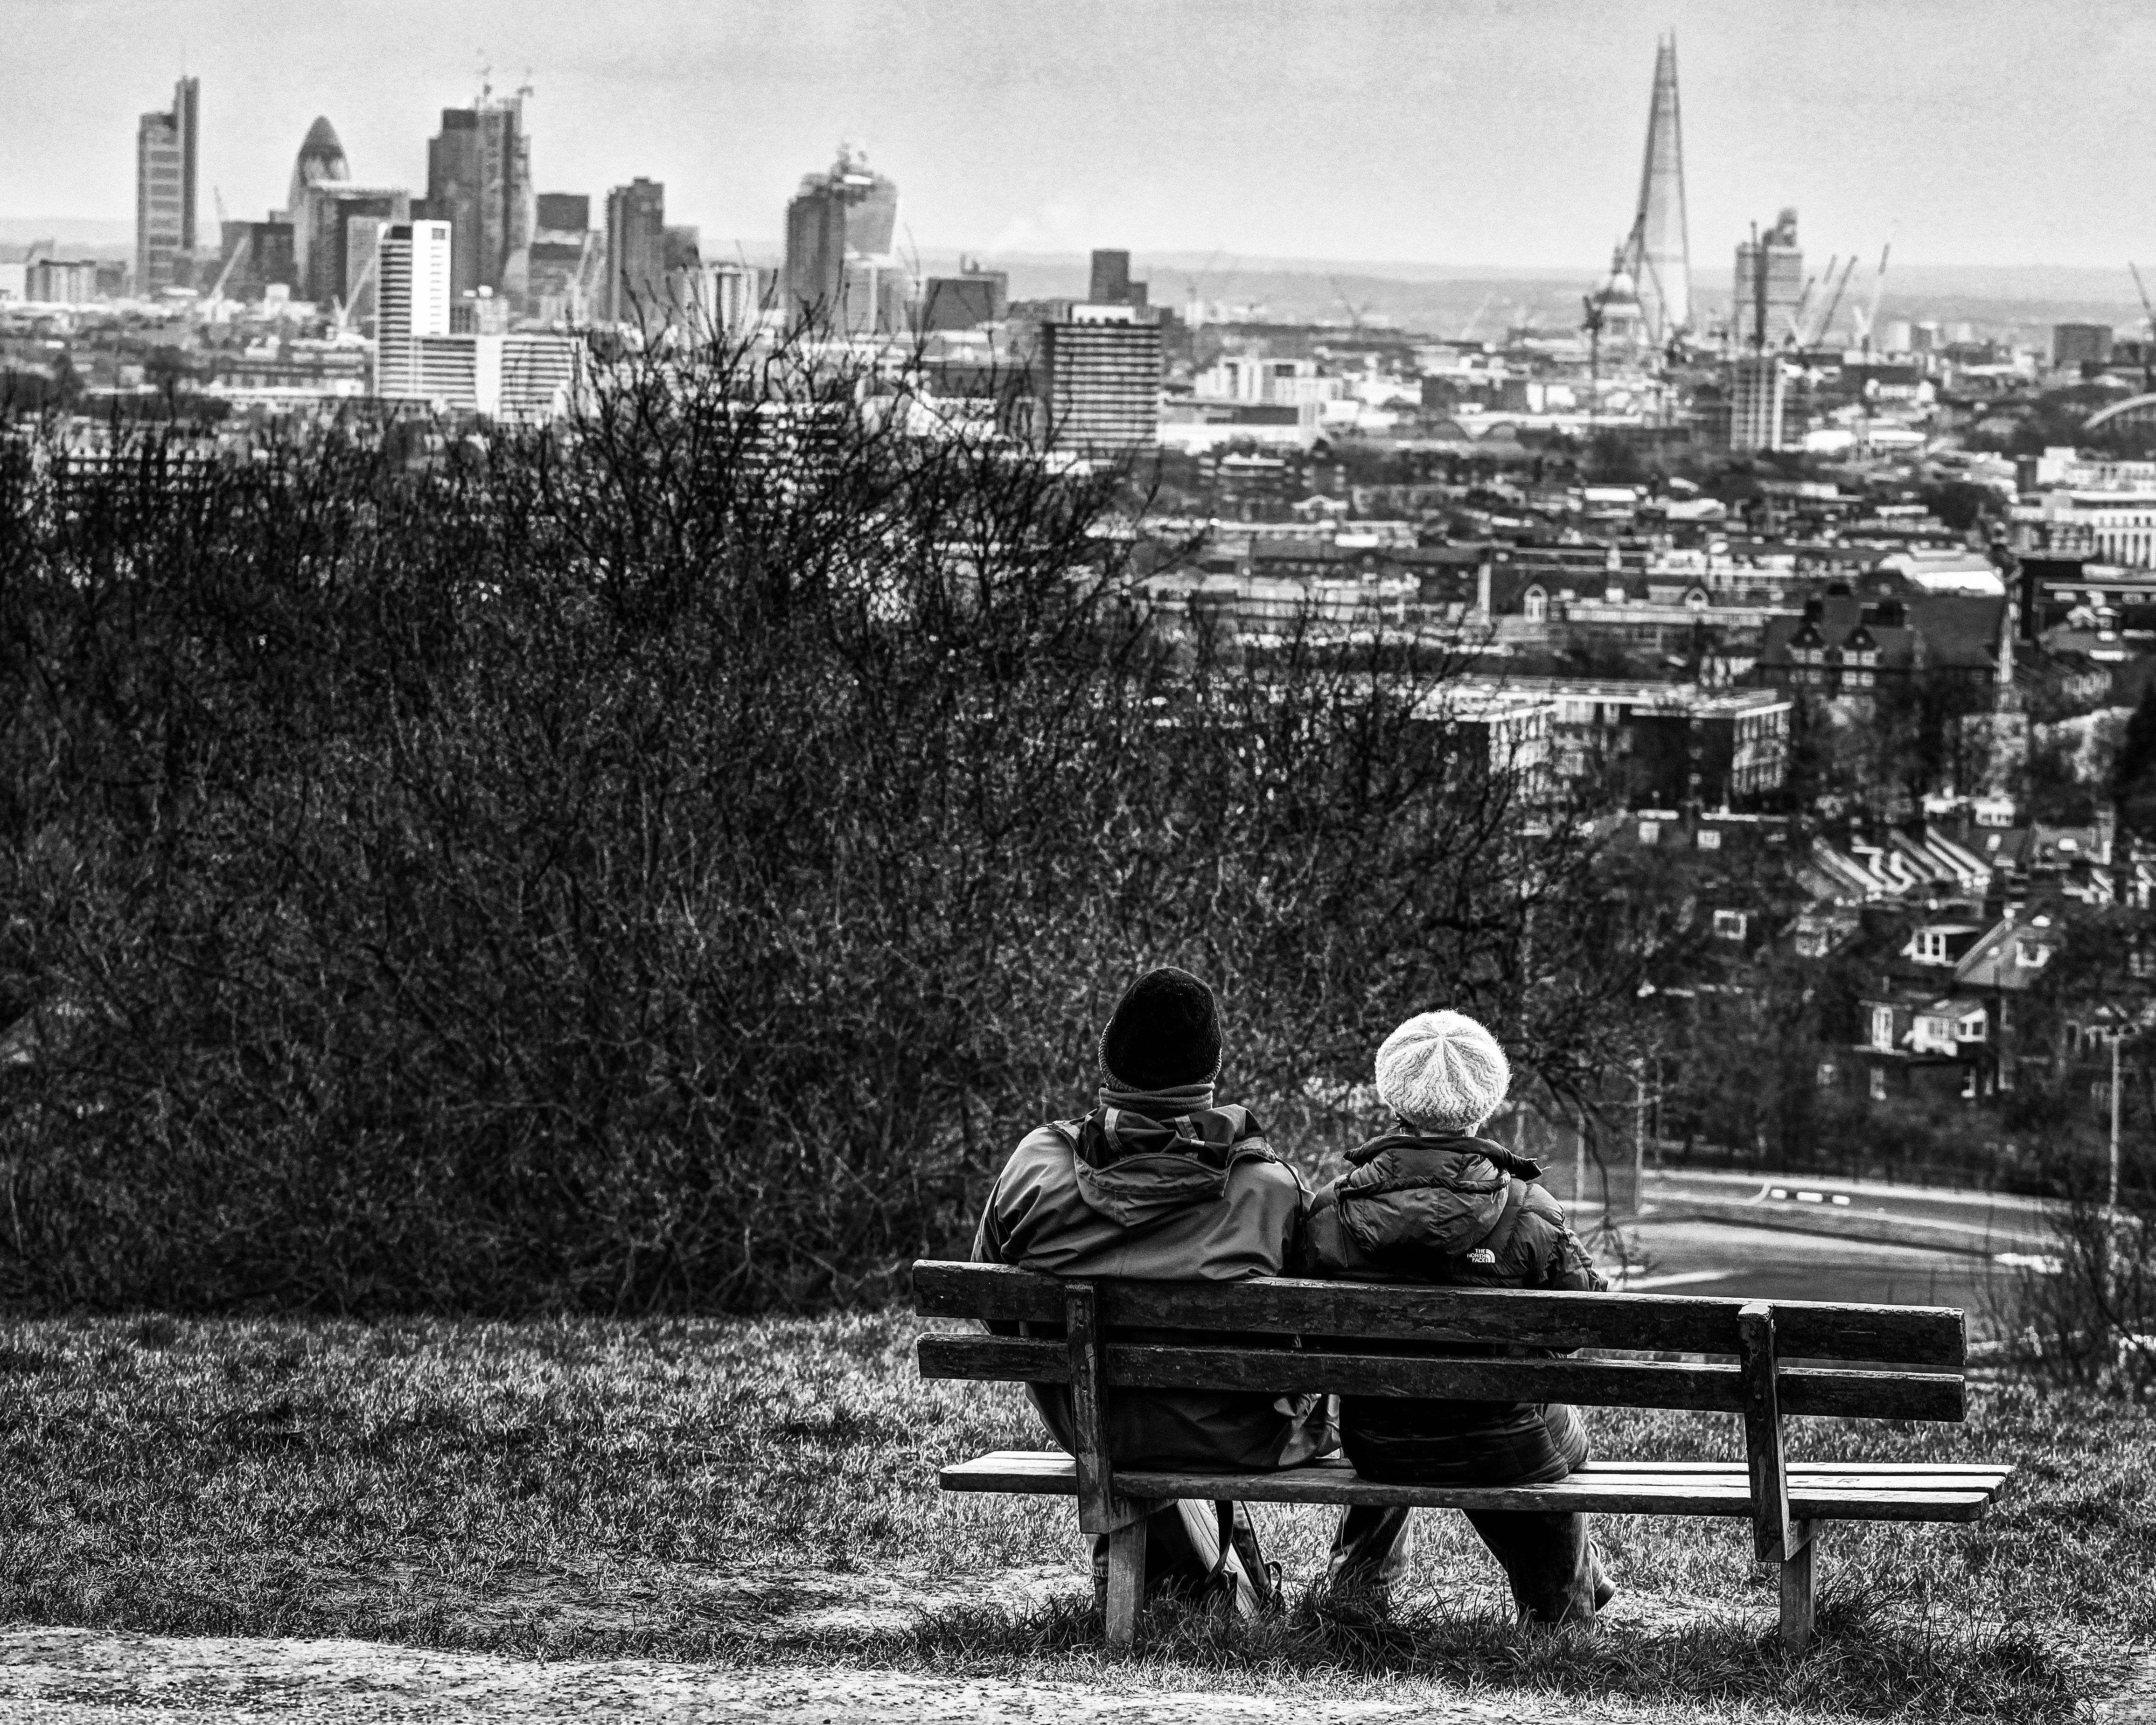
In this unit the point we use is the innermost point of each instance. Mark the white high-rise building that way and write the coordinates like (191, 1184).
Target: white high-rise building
(525, 378)
(411, 302)
(1097, 383)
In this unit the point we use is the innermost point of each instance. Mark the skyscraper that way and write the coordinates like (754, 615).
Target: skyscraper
(479, 181)
(1111, 279)
(1111, 284)
(1758, 403)
(414, 264)
(340, 221)
(268, 262)
(972, 297)
(1657, 254)
(840, 228)
(636, 252)
(567, 273)
(165, 146)
(320, 161)
(1768, 287)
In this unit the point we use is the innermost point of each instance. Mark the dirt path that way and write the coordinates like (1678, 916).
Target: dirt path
(67, 1676)
(62, 1677)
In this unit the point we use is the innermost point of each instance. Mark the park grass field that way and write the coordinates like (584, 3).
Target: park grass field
(762, 1493)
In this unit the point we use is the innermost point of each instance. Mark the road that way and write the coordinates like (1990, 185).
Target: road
(1998, 1219)
(1756, 1263)
(1797, 1238)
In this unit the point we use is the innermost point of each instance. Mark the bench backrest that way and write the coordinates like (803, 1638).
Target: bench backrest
(1887, 1361)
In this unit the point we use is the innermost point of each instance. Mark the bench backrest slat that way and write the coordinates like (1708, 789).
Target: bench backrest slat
(1654, 1323)
(1712, 1386)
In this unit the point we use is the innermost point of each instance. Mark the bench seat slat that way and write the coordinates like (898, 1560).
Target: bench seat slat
(1905, 1395)
(1910, 1476)
(1881, 1469)
(1814, 1494)
(1654, 1323)
(1919, 1476)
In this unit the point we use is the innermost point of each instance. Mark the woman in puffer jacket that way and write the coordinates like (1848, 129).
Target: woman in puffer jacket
(1430, 1202)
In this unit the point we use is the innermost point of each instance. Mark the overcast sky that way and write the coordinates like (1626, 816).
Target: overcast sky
(1467, 131)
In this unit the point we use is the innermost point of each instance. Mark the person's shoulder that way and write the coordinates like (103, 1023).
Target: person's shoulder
(1542, 1204)
(1046, 1145)
(1268, 1174)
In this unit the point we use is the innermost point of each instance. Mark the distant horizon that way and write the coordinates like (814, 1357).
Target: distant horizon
(117, 231)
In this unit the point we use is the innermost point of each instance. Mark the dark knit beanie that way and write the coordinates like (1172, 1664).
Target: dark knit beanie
(1165, 1031)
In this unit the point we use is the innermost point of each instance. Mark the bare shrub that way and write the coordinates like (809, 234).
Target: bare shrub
(2085, 1316)
(666, 859)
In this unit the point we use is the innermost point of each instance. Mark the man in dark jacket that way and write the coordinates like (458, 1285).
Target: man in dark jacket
(1432, 1203)
(1161, 1182)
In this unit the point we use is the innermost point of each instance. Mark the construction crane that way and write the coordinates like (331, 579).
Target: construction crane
(1795, 316)
(1865, 319)
(1834, 301)
(2149, 339)
(1473, 322)
(246, 244)
(1801, 327)
(342, 309)
(1354, 311)
(1193, 294)
(1595, 307)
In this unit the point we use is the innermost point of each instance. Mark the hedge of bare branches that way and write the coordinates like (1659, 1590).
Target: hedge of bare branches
(666, 860)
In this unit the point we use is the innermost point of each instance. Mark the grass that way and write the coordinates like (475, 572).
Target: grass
(764, 1492)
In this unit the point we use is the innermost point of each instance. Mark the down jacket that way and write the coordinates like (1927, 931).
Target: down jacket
(1462, 1212)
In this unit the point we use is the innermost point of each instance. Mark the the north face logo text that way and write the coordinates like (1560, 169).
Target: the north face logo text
(1481, 1254)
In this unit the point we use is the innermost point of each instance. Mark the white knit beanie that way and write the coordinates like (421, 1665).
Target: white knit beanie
(1442, 1072)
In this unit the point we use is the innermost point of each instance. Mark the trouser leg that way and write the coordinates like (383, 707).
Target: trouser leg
(1182, 1542)
(1372, 1548)
(1551, 1562)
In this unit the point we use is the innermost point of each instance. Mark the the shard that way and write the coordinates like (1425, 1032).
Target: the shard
(1657, 254)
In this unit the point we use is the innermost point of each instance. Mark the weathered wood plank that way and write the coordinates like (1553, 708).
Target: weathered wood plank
(1088, 1414)
(1816, 1390)
(1048, 1473)
(1675, 1323)
(1885, 1470)
(1763, 1433)
(1628, 1384)
(1019, 1468)
(1127, 1565)
(1799, 1596)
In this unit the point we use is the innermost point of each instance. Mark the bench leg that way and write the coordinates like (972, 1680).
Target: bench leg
(1126, 1570)
(1798, 1596)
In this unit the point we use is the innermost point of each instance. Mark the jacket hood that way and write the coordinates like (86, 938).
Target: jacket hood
(1417, 1145)
(1142, 1156)
(1426, 1192)
(1142, 1190)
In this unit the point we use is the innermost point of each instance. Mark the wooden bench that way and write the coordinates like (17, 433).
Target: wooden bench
(1875, 1361)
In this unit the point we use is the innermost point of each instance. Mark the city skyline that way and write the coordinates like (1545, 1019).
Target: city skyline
(1948, 132)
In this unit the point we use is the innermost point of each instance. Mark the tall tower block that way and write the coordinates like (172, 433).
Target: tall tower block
(1659, 254)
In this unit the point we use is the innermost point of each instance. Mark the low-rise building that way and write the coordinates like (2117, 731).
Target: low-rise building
(1664, 745)
(1856, 641)
(1503, 731)
(521, 378)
